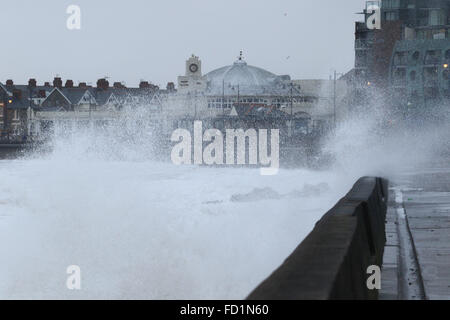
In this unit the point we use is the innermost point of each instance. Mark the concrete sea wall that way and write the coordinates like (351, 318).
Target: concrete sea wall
(332, 262)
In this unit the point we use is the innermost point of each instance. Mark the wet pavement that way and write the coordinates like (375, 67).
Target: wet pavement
(417, 253)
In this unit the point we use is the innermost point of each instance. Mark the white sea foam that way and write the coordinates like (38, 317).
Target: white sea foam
(145, 229)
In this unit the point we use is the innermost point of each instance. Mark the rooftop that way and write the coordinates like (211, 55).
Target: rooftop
(247, 80)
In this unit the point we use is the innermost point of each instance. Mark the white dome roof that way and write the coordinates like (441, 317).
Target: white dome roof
(251, 80)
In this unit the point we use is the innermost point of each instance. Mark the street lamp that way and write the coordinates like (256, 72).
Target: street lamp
(30, 110)
(336, 74)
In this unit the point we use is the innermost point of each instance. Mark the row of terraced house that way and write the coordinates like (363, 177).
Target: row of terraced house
(28, 110)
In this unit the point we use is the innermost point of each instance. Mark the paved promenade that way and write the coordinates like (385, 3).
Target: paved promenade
(417, 254)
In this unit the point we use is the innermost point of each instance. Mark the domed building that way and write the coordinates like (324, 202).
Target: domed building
(250, 80)
(238, 82)
(219, 94)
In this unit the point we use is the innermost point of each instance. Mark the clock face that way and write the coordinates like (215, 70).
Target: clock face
(193, 68)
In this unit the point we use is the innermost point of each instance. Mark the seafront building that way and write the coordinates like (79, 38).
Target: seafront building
(30, 111)
(234, 96)
(409, 57)
(230, 94)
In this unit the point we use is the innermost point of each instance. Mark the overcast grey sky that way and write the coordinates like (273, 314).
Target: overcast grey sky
(151, 39)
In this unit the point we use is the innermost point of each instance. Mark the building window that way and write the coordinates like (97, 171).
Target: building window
(446, 74)
(416, 55)
(400, 58)
(412, 75)
(16, 130)
(436, 17)
(430, 75)
(447, 55)
(399, 76)
(433, 57)
(423, 34)
(439, 34)
(391, 4)
(390, 16)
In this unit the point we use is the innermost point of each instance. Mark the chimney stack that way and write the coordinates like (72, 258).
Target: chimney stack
(170, 86)
(102, 84)
(144, 85)
(47, 84)
(82, 85)
(32, 83)
(69, 84)
(9, 83)
(57, 82)
(118, 85)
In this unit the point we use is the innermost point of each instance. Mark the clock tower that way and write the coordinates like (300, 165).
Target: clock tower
(193, 66)
(193, 79)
